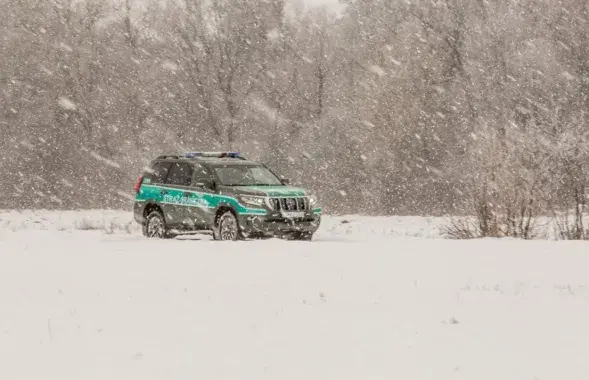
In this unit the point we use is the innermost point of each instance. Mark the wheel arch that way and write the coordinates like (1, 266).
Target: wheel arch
(222, 209)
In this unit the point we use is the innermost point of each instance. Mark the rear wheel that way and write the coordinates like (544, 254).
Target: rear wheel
(155, 226)
(227, 228)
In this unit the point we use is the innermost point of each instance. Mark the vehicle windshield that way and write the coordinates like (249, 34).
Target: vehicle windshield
(246, 175)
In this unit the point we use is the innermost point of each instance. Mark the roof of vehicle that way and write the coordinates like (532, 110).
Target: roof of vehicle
(223, 161)
(215, 158)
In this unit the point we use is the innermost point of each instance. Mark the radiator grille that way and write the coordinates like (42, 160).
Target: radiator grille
(291, 204)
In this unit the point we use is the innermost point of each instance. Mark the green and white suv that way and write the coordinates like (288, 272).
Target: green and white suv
(224, 193)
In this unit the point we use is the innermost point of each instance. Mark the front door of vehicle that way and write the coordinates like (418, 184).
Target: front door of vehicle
(203, 212)
(176, 195)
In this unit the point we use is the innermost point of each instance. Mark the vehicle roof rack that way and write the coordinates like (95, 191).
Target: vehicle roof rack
(236, 155)
(168, 156)
(199, 155)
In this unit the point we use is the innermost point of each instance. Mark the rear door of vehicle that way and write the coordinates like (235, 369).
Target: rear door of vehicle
(153, 180)
(176, 193)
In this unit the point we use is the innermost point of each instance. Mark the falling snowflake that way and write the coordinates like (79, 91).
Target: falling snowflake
(273, 34)
(169, 65)
(67, 183)
(367, 123)
(66, 104)
(56, 199)
(66, 47)
(45, 70)
(377, 70)
(125, 195)
(439, 89)
(105, 160)
(568, 75)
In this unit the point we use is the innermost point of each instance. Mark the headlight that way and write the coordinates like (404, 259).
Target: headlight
(270, 203)
(312, 200)
(252, 201)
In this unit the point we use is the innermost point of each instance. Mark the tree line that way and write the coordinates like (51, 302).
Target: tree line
(387, 107)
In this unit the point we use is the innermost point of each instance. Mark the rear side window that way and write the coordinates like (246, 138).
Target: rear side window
(180, 174)
(159, 172)
(201, 174)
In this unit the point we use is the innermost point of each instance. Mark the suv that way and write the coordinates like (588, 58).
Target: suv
(224, 193)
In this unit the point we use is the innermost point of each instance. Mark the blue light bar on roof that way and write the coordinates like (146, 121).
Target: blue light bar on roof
(212, 154)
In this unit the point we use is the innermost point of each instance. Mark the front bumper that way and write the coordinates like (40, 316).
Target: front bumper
(275, 225)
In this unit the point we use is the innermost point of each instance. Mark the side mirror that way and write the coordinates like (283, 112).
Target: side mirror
(285, 181)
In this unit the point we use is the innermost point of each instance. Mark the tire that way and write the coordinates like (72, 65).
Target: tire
(303, 236)
(227, 228)
(155, 227)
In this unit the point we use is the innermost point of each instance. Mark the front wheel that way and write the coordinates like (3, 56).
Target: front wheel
(227, 228)
(303, 236)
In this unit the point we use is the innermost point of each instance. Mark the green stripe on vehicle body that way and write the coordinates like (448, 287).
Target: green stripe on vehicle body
(318, 210)
(197, 199)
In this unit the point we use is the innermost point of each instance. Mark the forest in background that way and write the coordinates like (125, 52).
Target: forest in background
(388, 107)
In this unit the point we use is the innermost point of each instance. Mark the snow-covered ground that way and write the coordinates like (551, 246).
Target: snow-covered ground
(85, 296)
(121, 221)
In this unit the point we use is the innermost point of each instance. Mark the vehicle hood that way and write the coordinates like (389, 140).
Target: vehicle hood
(269, 191)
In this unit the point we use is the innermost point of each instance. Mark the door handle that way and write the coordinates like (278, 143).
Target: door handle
(187, 193)
(164, 192)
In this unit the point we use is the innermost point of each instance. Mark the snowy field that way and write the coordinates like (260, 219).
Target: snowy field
(85, 296)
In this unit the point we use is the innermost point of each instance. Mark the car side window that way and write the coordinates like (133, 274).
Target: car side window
(201, 174)
(159, 172)
(180, 174)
